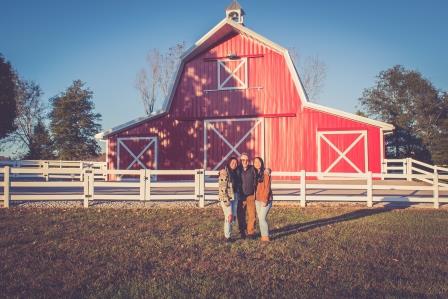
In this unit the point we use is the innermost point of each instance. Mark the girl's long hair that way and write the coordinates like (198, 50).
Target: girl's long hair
(230, 161)
(260, 172)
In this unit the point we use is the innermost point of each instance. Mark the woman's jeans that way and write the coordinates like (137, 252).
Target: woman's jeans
(229, 210)
(262, 213)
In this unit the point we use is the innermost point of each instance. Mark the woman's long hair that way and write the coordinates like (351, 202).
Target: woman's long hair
(232, 172)
(230, 161)
(260, 172)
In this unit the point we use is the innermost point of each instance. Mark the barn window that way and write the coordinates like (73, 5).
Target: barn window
(232, 73)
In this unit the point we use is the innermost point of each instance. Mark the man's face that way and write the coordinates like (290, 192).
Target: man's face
(244, 160)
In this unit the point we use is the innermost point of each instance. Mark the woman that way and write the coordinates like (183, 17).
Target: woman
(263, 196)
(229, 193)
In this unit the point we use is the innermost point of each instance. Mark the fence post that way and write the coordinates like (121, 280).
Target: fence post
(369, 189)
(199, 189)
(408, 169)
(81, 176)
(435, 187)
(148, 185)
(104, 169)
(6, 186)
(45, 172)
(303, 188)
(142, 184)
(88, 186)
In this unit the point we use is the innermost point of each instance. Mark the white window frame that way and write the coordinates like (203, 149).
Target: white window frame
(220, 63)
(342, 154)
(208, 124)
(136, 158)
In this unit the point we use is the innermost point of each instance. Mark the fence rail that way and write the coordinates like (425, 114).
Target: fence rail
(201, 186)
(46, 167)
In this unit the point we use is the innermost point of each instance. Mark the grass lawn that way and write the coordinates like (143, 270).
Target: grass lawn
(315, 252)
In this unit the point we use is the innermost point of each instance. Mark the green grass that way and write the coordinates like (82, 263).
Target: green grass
(316, 252)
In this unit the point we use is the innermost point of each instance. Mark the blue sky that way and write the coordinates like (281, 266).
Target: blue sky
(104, 43)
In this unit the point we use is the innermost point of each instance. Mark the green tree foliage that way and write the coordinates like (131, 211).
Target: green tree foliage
(413, 105)
(439, 148)
(74, 124)
(41, 145)
(7, 97)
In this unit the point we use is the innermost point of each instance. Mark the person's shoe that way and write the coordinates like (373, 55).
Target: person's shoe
(243, 236)
(265, 239)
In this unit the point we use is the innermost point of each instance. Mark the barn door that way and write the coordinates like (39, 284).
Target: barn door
(231, 137)
(137, 153)
(342, 151)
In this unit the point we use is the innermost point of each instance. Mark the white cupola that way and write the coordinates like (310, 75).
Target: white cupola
(235, 13)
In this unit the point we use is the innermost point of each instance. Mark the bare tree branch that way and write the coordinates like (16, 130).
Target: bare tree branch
(30, 110)
(312, 71)
(153, 84)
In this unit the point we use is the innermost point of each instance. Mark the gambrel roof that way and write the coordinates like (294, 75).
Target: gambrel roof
(223, 28)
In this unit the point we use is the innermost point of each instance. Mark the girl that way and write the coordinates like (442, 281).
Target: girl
(263, 196)
(229, 193)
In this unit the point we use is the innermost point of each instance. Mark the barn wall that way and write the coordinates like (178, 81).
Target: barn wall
(290, 143)
(271, 88)
(313, 120)
(179, 143)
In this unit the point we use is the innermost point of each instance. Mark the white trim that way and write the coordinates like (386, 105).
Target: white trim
(382, 150)
(232, 74)
(136, 158)
(296, 78)
(377, 123)
(204, 165)
(342, 154)
(107, 153)
(233, 148)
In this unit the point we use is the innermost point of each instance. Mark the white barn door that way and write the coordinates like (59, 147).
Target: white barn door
(342, 151)
(224, 138)
(137, 153)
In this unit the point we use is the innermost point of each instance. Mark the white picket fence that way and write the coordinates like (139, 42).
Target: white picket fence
(409, 166)
(301, 188)
(46, 167)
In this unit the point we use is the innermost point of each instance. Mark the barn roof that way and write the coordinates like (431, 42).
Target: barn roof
(234, 5)
(223, 28)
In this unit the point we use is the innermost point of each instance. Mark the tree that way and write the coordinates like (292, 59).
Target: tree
(154, 84)
(439, 148)
(74, 124)
(7, 97)
(41, 145)
(413, 105)
(313, 72)
(30, 111)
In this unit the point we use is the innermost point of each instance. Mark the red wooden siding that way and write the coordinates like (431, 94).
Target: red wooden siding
(270, 89)
(179, 143)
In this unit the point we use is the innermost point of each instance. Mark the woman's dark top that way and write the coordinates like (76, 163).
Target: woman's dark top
(235, 178)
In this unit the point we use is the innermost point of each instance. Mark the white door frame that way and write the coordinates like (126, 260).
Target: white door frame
(342, 154)
(136, 158)
(208, 124)
(232, 74)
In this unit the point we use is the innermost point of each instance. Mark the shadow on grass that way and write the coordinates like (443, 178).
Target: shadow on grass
(303, 227)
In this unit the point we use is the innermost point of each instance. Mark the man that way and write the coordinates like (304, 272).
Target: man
(246, 204)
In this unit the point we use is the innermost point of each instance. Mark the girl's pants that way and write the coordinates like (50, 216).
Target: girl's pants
(262, 213)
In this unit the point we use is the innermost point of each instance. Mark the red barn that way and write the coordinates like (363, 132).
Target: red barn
(236, 91)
